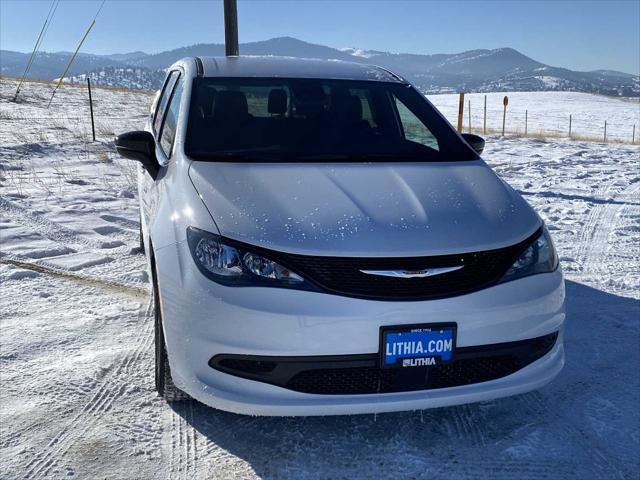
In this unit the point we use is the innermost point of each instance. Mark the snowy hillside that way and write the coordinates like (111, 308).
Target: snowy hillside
(471, 71)
(76, 346)
(123, 77)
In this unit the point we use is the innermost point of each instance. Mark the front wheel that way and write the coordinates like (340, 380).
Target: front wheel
(164, 383)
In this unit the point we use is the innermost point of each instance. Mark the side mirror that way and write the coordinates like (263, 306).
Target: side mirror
(140, 146)
(475, 141)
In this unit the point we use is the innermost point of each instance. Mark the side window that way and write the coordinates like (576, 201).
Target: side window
(154, 104)
(164, 99)
(413, 128)
(168, 133)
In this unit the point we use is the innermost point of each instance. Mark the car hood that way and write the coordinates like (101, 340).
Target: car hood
(358, 209)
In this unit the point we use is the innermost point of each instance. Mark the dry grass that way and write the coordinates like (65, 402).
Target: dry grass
(103, 157)
(76, 85)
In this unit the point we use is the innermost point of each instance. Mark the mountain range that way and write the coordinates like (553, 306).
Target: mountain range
(502, 69)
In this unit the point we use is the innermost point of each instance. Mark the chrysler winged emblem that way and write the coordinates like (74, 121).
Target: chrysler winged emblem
(427, 272)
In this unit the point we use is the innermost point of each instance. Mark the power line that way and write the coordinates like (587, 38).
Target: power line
(46, 26)
(99, 10)
(43, 32)
(73, 57)
(50, 20)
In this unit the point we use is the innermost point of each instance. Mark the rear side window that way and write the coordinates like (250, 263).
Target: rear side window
(168, 134)
(164, 100)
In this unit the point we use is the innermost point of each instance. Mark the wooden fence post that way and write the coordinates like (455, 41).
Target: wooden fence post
(526, 121)
(460, 111)
(570, 118)
(505, 102)
(93, 128)
(484, 125)
(605, 131)
(469, 106)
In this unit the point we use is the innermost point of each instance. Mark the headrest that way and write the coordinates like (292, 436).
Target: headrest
(206, 97)
(309, 98)
(353, 109)
(338, 98)
(230, 105)
(277, 103)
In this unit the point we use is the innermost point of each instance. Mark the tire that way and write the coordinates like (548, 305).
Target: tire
(164, 383)
(141, 239)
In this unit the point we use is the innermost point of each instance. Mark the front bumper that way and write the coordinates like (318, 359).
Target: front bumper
(203, 319)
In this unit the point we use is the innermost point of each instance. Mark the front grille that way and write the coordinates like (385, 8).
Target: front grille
(360, 374)
(375, 380)
(343, 276)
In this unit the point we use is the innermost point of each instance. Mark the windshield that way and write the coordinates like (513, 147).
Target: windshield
(278, 119)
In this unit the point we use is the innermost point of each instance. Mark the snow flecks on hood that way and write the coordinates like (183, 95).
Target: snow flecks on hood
(364, 209)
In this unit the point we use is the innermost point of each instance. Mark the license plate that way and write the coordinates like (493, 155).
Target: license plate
(417, 345)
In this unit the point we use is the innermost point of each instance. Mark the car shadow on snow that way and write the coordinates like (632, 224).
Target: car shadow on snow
(584, 424)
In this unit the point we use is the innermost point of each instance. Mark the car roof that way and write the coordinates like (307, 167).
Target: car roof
(289, 67)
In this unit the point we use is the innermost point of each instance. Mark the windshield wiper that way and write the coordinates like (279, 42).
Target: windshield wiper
(245, 155)
(240, 151)
(364, 157)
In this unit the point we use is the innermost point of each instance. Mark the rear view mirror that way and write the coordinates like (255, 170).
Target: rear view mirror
(140, 146)
(475, 141)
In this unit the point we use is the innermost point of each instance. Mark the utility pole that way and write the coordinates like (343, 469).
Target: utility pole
(231, 28)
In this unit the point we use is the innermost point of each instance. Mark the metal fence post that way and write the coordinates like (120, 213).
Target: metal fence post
(93, 128)
(505, 102)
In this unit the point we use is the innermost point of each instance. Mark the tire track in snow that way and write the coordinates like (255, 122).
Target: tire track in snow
(184, 443)
(536, 403)
(178, 460)
(193, 438)
(475, 426)
(172, 450)
(56, 232)
(596, 246)
(119, 257)
(590, 225)
(99, 403)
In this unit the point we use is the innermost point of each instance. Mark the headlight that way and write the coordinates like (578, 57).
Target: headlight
(231, 265)
(539, 257)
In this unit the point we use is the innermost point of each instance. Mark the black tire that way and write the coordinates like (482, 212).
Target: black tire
(141, 240)
(164, 383)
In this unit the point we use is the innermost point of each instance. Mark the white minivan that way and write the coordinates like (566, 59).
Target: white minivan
(322, 241)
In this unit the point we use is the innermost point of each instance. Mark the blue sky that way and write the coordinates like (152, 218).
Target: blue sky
(582, 35)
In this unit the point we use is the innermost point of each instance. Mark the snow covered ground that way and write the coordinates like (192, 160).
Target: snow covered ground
(76, 353)
(548, 112)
